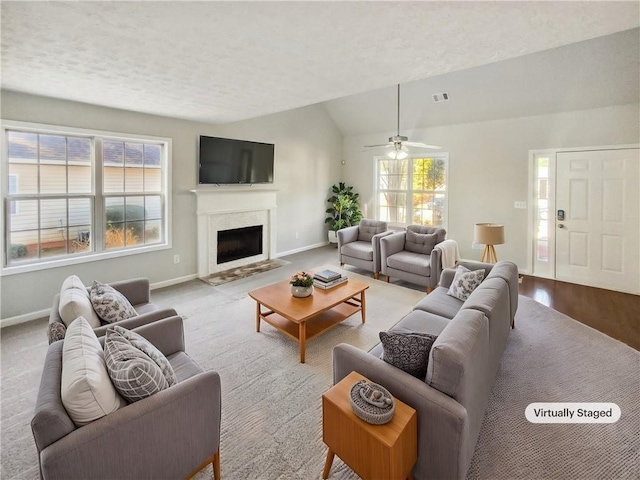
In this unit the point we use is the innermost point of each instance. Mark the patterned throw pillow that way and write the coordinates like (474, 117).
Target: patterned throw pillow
(133, 373)
(57, 331)
(465, 282)
(142, 344)
(408, 351)
(110, 305)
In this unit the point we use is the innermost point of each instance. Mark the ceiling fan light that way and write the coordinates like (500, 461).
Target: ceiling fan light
(398, 154)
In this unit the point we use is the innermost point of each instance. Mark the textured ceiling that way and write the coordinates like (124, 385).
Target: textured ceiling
(590, 74)
(225, 61)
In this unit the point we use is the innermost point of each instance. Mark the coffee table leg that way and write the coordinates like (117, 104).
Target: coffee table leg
(363, 306)
(327, 464)
(257, 316)
(302, 337)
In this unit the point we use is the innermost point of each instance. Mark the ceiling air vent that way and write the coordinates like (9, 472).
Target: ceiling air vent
(440, 97)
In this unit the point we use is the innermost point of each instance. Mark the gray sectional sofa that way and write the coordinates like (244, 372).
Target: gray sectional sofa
(452, 399)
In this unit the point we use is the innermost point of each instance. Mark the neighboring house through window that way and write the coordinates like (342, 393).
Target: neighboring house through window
(83, 194)
(412, 190)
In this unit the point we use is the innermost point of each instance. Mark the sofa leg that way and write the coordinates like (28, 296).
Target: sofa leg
(376, 276)
(214, 461)
(341, 264)
(429, 290)
(216, 465)
(387, 278)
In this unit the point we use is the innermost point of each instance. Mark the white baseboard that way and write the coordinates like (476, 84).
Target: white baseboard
(25, 317)
(173, 281)
(301, 249)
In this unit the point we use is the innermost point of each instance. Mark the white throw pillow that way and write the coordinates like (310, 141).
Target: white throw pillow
(465, 282)
(75, 302)
(87, 392)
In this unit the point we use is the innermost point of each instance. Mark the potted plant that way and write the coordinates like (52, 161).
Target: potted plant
(301, 284)
(344, 209)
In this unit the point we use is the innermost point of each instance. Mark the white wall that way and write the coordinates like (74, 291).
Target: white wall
(308, 154)
(489, 166)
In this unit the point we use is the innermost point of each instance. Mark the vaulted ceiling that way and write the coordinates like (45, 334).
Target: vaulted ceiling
(226, 61)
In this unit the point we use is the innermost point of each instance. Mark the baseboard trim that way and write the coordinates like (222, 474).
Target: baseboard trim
(28, 317)
(24, 318)
(173, 281)
(301, 249)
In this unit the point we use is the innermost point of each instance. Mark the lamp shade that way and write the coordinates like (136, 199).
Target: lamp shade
(488, 233)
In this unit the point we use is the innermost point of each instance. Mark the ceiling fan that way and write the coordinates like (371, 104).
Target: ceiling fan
(400, 143)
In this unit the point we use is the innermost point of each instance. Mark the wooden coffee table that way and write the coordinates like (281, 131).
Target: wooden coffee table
(303, 318)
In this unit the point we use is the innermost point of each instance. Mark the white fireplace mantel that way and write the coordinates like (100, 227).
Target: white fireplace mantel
(233, 207)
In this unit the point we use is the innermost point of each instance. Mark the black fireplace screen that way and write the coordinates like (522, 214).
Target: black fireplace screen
(239, 243)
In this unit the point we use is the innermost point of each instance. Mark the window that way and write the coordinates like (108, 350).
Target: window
(412, 190)
(82, 194)
(13, 188)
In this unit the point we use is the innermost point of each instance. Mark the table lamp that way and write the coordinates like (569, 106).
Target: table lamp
(490, 234)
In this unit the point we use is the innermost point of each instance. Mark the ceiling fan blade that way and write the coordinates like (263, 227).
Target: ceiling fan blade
(379, 146)
(422, 145)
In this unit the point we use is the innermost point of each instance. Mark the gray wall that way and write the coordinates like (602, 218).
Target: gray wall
(489, 166)
(308, 155)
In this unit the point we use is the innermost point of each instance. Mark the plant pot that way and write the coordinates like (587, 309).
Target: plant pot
(333, 236)
(301, 292)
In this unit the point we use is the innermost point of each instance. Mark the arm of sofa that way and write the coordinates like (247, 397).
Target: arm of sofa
(347, 235)
(136, 290)
(442, 422)
(436, 267)
(166, 435)
(50, 420)
(375, 244)
(138, 320)
(166, 334)
(389, 245)
(446, 277)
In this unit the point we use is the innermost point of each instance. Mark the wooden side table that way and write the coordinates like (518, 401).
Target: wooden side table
(377, 452)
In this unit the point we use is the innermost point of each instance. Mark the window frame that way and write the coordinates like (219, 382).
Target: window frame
(15, 211)
(99, 252)
(409, 191)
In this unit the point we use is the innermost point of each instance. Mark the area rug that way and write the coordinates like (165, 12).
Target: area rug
(227, 276)
(271, 404)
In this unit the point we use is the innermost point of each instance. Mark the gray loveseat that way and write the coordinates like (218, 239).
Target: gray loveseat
(136, 290)
(463, 362)
(170, 434)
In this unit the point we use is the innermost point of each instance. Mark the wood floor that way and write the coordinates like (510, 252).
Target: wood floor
(613, 313)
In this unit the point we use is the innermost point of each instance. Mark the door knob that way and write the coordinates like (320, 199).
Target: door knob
(560, 225)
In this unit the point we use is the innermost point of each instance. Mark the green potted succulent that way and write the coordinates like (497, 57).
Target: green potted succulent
(344, 210)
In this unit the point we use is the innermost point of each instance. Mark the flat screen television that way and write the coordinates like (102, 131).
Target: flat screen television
(228, 161)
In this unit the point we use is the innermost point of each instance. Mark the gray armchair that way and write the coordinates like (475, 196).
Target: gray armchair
(136, 290)
(411, 255)
(360, 245)
(172, 434)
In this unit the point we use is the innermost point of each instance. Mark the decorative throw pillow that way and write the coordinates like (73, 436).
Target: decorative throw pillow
(86, 390)
(465, 282)
(57, 331)
(408, 351)
(133, 373)
(145, 346)
(420, 242)
(75, 302)
(110, 305)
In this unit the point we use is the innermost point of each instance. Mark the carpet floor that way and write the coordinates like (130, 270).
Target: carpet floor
(271, 421)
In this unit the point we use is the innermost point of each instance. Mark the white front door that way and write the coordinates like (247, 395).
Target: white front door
(598, 241)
